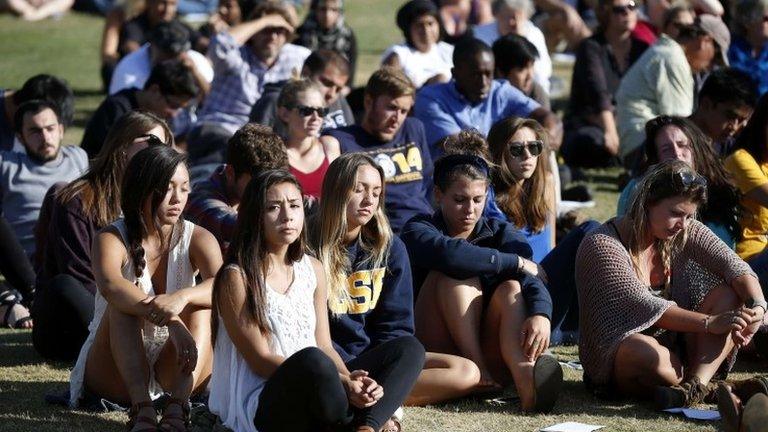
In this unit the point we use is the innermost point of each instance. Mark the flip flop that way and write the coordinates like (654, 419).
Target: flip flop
(728, 405)
(755, 417)
(547, 382)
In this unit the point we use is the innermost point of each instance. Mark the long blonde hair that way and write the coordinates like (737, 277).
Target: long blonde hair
(526, 204)
(672, 178)
(330, 226)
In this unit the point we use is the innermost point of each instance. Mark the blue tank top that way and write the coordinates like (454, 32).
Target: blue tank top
(541, 242)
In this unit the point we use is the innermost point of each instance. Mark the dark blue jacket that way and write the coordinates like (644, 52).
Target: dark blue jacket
(382, 302)
(492, 255)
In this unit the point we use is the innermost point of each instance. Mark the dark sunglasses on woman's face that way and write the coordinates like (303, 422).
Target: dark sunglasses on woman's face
(516, 148)
(307, 111)
(688, 179)
(624, 9)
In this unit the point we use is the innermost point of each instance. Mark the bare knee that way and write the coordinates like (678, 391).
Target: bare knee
(506, 292)
(442, 281)
(467, 373)
(644, 357)
(721, 299)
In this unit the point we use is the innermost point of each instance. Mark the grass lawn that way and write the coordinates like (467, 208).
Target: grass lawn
(69, 48)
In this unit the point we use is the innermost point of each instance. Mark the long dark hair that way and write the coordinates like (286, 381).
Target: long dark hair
(248, 249)
(754, 137)
(99, 188)
(146, 178)
(722, 191)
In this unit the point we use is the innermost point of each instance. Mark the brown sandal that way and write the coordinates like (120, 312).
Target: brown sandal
(134, 418)
(170, 422)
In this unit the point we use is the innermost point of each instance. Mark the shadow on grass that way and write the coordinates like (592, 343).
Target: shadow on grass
(23, 408)
(16, 346)
(88, 92)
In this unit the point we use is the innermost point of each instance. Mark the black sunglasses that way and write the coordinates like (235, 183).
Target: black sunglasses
(686, 180)
(307, 111)
(535, 147)
(624, 9)
(151, 139)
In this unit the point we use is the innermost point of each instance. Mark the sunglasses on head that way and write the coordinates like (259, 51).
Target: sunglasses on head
(150, 139)
(307, 111)
(685, 180)
(624, 9)
(534, 147)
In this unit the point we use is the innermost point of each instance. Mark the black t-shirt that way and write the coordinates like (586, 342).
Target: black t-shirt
(105, 117)
(139, 30)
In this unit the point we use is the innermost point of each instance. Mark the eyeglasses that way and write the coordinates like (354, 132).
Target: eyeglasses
(307, 111)
(534, 147)
(624, 9)
(687, 179)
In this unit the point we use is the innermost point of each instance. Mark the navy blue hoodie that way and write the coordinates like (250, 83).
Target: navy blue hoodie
(382, 302)
(492, 255)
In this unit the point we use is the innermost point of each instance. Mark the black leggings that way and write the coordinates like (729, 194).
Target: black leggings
(62, 311)
(305, 392)
(15, 265)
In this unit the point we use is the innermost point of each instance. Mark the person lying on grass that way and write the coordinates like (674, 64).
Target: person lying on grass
(151, 328)
(664, 303)
(476, 299)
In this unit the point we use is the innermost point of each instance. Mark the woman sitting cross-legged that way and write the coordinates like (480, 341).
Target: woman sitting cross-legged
(275, 367)
(370, 295)
(476, 298)
(151, 327)
(663, 301)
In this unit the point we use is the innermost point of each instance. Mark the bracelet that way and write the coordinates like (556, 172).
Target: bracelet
(520, 264)
(706, 324)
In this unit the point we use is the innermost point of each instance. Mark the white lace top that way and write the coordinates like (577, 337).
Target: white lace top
(180, 274)
(235, 388)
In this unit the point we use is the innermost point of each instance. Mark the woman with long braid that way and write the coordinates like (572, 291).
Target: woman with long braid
(151, 330)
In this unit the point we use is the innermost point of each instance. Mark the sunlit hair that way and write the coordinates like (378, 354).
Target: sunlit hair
(248, 250)
(469, 144)
(330, 226)
(663, 180)
(526, 204)
(99, 188)
(147, 178)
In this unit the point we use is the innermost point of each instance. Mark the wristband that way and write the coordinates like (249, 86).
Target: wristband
(706, 324)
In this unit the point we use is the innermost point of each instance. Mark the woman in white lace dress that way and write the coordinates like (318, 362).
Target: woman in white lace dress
(275, 368)
(151, 328)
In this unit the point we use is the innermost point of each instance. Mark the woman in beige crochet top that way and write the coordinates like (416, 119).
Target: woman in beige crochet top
(663, 301)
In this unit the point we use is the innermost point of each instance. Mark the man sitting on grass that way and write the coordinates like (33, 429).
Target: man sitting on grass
(24, 180)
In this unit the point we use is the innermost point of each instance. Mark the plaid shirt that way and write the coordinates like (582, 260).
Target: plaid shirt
(209, 207)
(239, 79)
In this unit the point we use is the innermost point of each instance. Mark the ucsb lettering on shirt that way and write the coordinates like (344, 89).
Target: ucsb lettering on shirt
(364, 289)
(400, 164)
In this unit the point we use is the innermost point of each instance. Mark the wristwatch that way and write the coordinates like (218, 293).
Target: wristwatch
(752, 303)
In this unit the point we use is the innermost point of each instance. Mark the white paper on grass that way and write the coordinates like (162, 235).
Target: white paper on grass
(571, 427)
(696, 414)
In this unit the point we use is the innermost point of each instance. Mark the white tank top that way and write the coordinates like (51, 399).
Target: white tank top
(235, 388)
(180, 274)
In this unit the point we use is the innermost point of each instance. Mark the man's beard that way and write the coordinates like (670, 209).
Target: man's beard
(43, 159)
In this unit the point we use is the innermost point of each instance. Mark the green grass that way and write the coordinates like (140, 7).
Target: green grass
(69, 48)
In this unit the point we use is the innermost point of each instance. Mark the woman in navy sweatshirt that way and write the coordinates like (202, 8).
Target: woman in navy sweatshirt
(370, 291)
(479, 297)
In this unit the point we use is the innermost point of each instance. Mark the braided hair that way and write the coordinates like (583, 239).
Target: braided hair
(146, 178)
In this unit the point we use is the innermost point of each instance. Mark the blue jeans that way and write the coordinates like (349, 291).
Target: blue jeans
(560, 265)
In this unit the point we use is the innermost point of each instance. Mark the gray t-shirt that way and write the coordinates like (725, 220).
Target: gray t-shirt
(24, 183)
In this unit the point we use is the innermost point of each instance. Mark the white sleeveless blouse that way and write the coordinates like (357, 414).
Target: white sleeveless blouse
(235, 388)
(180, 274)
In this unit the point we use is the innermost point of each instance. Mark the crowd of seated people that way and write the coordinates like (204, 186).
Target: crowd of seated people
(242, 225)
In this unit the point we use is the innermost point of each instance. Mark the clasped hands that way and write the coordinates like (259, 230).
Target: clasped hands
(362, 390)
